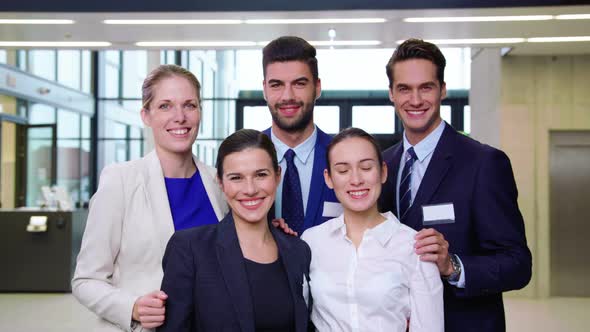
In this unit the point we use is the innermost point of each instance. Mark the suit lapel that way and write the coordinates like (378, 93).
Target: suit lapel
(393, 173)
(437, 169)
(158, 200)
(291, 264)
(231, 263)
(317, 186)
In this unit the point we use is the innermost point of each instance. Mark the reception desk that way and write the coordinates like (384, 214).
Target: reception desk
(38, 249)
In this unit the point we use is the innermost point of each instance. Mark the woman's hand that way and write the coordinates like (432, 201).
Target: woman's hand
(149, 309)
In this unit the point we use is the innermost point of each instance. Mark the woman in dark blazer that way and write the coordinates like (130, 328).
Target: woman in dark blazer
(241, 274)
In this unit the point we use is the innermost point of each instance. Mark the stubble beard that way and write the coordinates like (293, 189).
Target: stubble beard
(299, 124)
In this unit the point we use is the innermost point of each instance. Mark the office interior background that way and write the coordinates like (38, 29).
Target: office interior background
(70, 95)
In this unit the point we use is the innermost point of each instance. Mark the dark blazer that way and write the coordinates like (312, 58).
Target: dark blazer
(319, 192)
(206, 282)
(488, 233)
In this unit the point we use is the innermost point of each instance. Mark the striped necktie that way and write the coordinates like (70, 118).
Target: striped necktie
(405, 185)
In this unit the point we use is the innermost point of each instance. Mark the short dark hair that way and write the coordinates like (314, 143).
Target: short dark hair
(417, 49)
(353, 133)
(245, 139)
(290, 48)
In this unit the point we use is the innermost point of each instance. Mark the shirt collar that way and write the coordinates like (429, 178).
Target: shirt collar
(382, 232)
(426, 146)
(302, 151)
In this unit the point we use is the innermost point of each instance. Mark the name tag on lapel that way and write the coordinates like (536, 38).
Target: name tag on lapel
(332, 210)
(438, 214)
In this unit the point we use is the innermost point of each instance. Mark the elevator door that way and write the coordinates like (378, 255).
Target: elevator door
(570, 213)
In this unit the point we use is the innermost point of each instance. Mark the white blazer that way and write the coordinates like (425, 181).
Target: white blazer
(128, 227)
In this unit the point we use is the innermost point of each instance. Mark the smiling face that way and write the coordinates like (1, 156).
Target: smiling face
(417, 94)
(355, 174)
(290, 92)
(249, 183)
(173, 115)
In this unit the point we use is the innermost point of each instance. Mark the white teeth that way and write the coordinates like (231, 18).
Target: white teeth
(179, 131)
(251, 203)
(358, 193)
(415, 112)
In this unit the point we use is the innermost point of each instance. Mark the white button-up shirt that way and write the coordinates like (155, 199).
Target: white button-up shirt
(378, 287)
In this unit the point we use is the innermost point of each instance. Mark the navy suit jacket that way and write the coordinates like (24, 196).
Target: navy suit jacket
(207, 285)
(488, 233)
(319, 193)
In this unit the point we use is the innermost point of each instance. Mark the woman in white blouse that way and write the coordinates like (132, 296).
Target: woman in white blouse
(364, 273)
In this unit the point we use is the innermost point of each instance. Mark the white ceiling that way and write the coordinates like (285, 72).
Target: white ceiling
(89, 27)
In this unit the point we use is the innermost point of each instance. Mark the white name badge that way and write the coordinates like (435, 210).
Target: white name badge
(438, 214)
(332, 210)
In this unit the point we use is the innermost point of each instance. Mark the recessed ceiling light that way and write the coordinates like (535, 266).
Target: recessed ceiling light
(558, 39)
(53, 44)
(345, 42)
(316, 21)
(196, 44)
(35, 21)
(170, 22)
(478, 19)
(573, 17)
(473, 41)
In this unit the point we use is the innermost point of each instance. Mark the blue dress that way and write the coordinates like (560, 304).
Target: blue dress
(189, 203)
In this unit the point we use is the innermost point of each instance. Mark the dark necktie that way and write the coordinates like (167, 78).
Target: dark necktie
(292, 203)
(405, 185)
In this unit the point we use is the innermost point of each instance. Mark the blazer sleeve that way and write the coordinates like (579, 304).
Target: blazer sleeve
(178, 284)
(92, 282)
(504, 262)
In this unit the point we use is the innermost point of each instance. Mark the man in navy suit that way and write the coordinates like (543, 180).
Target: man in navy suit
(458, 193)
(291, 87)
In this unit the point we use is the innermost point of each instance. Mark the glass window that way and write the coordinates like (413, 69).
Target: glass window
(111, 74)
(21, 59)
(115, 129)
(379, 119)
(257, 117)
(68, 124)
(85, 171)
(68, 166)
(3, 56)
(85, 125)
(134, 72)
(467, 119)
(86, 72)
(195, 65)
(445, 113)
(41, 114)
(327, 118)
(43, 63)
(207, 121)
(68, 68)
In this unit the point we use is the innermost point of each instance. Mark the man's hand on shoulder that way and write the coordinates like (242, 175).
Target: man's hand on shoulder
(431, 246)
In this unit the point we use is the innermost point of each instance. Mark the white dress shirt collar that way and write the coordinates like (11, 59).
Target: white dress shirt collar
(302, 151)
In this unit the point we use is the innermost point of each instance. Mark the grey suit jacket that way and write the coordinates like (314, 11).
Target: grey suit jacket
(128, 227)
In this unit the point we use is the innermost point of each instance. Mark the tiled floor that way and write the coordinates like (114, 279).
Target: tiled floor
(61, 312)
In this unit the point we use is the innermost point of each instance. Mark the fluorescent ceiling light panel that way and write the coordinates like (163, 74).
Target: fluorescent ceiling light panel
(345, 42)
(35, 21)
(171, 22)
(316, 21)
(53, 44)
(573, 17)
(196, 44)
(473, 41)
(478, 19)
(558, 39)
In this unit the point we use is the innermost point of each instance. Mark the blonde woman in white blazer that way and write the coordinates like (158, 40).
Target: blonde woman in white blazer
(118, 272)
